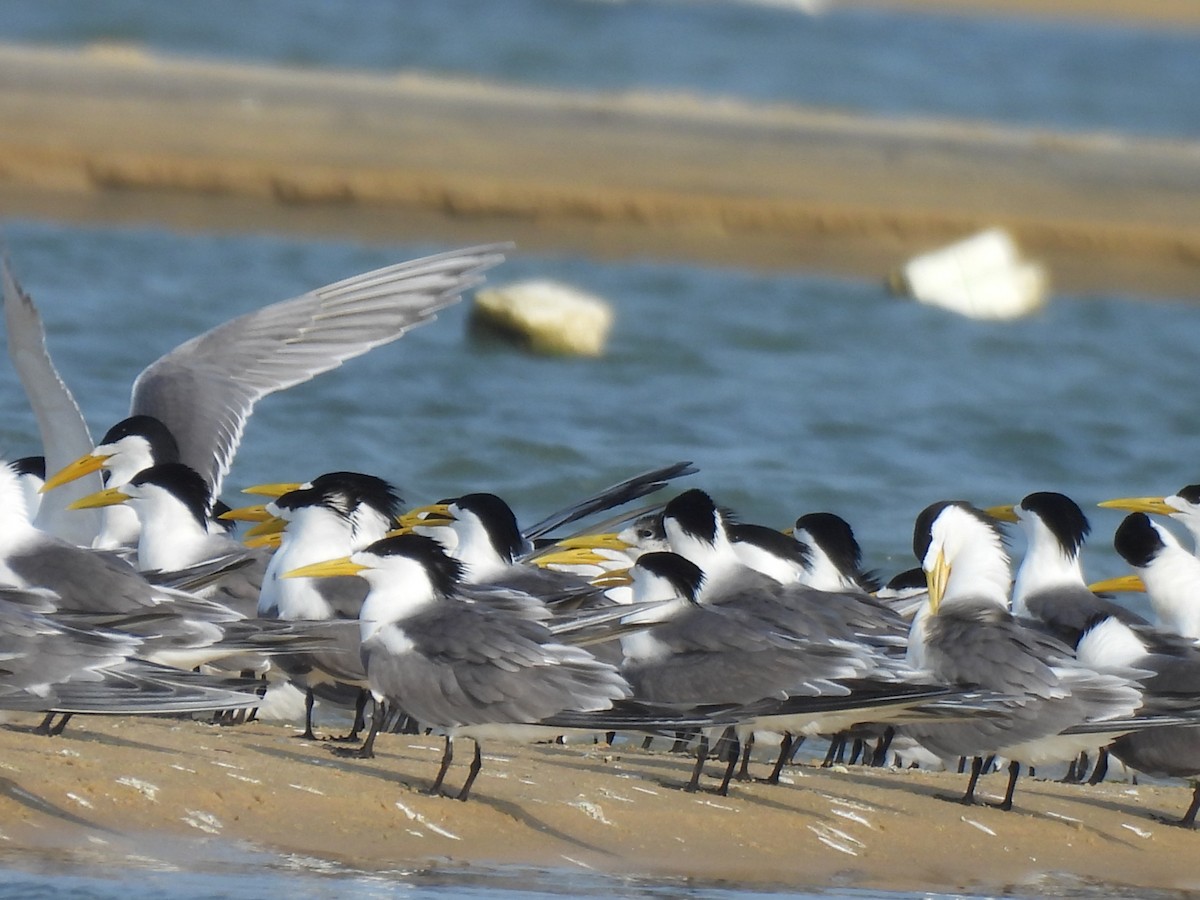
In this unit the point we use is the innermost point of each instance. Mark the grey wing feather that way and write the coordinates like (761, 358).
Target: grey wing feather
(205, 389)
(1068, 612)
(469, 667)
(1169, 751)
(65, 435)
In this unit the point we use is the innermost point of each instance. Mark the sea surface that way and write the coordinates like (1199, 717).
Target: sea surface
(791, 393)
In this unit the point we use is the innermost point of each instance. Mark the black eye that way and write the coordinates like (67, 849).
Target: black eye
(644, 533)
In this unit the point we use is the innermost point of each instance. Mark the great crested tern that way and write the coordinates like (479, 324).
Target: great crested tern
(1050, 587)
(1055, 707)
(488, 542)
(469, 669)
(1166, 570)
(697, 529)
(98, 589)
(1183, 506)
(205, 389)
(31, 473)
(834, 557)
(52, 666)
(332, 516)
(1174, 687)
(692, 653)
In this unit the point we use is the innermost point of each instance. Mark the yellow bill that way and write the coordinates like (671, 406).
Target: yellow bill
(327, 569)
(85, 465)
(107, 497)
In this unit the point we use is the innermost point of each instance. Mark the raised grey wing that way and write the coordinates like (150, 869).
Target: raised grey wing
(615, 495)
(205, 389)
(65, 435)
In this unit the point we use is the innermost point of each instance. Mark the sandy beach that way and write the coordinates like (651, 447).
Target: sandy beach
(119, 134)
(147, 789)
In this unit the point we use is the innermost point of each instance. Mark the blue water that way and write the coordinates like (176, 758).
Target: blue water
(1090, 76)
(792, 393)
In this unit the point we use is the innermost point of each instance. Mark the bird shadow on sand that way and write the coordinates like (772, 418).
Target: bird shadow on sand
(80, 734)
(30, 800)
(379, 771)
(948, 795)
(631, 771)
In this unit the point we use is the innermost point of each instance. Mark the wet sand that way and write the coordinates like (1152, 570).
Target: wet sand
(178, 791)
(116, 134)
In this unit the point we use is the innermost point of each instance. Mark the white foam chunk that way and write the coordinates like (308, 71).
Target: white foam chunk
(545, 317)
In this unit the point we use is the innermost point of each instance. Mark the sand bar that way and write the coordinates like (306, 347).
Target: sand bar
(112, 789)
(1143, 13)
(117, 134)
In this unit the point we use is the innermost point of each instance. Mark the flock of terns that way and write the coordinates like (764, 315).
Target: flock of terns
(124, 590)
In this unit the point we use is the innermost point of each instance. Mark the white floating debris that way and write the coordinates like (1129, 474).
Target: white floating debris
(180, 768)
(206, 822)
(1070, 819)
(544, 317)
(1140, 832)
(145, 788)
(415, 816)
(852, 816)
(981, 277)
(82, 801)
(979, 825)
(611, 796)
(851, 804)
(591, 810)
(307, 789)
(576, 862)
(825, 836)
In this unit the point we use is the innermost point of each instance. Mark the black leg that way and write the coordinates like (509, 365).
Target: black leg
(309, 700)
(62, 724)
(1014, 772)
(476, 765)
(968, 799)
(744, 771)
(447, 756)
(733, 750)
(879, 758)
(1072, 776)
(1101, 771)
(367, 750)
(791, 757)
(1189, 817)
(785, 751)
(837, 750)
(647, 741)
(44, 725)
(360, 718)
(701, 756)
(858, 748)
